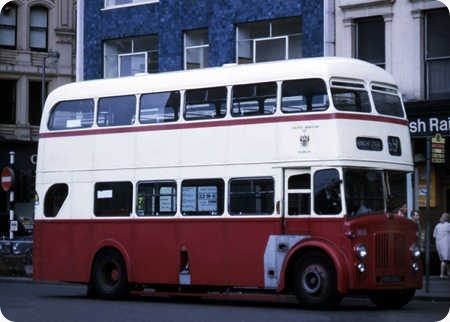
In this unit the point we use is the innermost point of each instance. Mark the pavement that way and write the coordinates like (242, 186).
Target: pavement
(434, 289)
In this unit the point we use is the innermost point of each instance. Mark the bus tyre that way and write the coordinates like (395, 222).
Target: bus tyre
(393, 299)
(315, 282)
(109, 276)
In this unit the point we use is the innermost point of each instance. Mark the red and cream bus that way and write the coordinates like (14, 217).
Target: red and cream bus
(277, 177)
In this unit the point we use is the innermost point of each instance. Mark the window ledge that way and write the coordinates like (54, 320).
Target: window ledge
(129, 5)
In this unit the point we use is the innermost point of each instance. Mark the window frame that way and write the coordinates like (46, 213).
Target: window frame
(428, 59)
(107, 192)
(252, 181)
(39, 29)
(367, 20)
(204, 49)
(9, 28)
(132, 3)
(207, 182)
(159, 184)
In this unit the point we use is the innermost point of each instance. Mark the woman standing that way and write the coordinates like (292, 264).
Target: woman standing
(442, 235)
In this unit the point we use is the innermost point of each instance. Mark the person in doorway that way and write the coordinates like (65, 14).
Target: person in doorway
(442, 235)
(415, 216)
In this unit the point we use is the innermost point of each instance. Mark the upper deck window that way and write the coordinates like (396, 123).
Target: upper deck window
(159, 107)
(387, 101)
(304, 95)
(116, 111)
(254, 99)
(72, 115)
(350, 96)
(205, 103)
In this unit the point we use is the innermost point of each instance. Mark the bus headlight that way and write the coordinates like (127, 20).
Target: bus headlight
(361, 251)
(415, 251)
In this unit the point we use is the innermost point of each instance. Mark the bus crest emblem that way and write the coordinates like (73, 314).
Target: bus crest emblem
(304, 140)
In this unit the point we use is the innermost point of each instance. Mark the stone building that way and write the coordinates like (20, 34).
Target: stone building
(32, 34)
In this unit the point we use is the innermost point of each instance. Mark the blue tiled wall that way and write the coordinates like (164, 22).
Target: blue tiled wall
(169, 18)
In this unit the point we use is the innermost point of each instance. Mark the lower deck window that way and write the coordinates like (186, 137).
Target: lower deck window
(113, 198)
(157, 198)
(54, 199)
(202, 197)
(253, 196)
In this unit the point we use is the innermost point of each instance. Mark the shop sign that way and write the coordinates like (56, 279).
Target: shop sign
(438, 149)
(428, 126)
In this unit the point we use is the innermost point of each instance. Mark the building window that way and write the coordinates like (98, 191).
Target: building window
(128, 56)
(196, 49)
(370, 40)
(269, 40)
(437, 54)
(34, 102)
(8, 99)
(38, 28)
(8, 26)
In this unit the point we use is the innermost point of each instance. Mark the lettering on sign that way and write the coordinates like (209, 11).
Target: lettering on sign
(428, 126)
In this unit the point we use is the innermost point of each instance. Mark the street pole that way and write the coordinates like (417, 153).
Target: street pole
(12, 155)
(427, 217)
(53, 55)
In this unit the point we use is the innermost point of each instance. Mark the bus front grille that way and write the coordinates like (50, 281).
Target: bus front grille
(389, 250)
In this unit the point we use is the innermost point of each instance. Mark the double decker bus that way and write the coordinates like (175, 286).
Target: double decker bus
(274, 178)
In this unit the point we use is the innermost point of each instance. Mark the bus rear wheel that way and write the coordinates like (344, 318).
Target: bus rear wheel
(315, 282)
(394, 299)
(109, 276)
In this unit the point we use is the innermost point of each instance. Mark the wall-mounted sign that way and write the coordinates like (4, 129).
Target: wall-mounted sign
(438, 149)
(423, 187)
(429, 126)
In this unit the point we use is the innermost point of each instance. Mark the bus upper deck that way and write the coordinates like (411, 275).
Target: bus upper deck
(308, 110)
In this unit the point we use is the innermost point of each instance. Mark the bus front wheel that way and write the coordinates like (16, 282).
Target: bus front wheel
(315, 281)
(109, 276)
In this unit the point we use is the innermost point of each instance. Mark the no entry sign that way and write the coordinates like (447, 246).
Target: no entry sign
(7, 178)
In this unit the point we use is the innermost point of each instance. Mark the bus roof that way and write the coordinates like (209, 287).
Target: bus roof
(229, 74)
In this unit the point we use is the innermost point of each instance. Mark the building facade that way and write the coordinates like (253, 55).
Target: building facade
(37, 46)
(410, 39)
(125, 37)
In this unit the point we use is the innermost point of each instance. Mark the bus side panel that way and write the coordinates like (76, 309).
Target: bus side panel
(204, 242)
(246, 242)
(60, 252)
(155, 256)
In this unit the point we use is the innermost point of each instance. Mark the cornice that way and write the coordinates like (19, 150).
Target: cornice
(359, 4)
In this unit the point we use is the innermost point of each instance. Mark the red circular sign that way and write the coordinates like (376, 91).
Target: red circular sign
(7, 178)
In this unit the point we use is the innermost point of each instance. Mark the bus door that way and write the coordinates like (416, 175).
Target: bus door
(297, 200)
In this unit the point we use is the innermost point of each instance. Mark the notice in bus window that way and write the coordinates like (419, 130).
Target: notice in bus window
(189, 198)
(207, 198)
(104, 194)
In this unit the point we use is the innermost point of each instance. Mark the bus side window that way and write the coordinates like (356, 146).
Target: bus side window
(113, 198)
(254, 99)
(157, 198)
(203, 197)
(252, 196)
(299, 195)
(72, 115)
(327, 193)
(159, 107)
(54, 199)
(304, 95)
(116, 111)
(208, 103)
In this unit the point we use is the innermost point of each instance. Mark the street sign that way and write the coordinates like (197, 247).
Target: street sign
(14, 225)
(7, 178)
(438, 149)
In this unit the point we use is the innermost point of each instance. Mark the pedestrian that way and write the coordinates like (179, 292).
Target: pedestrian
(402, 210)
(442, 235)
(415, 216)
